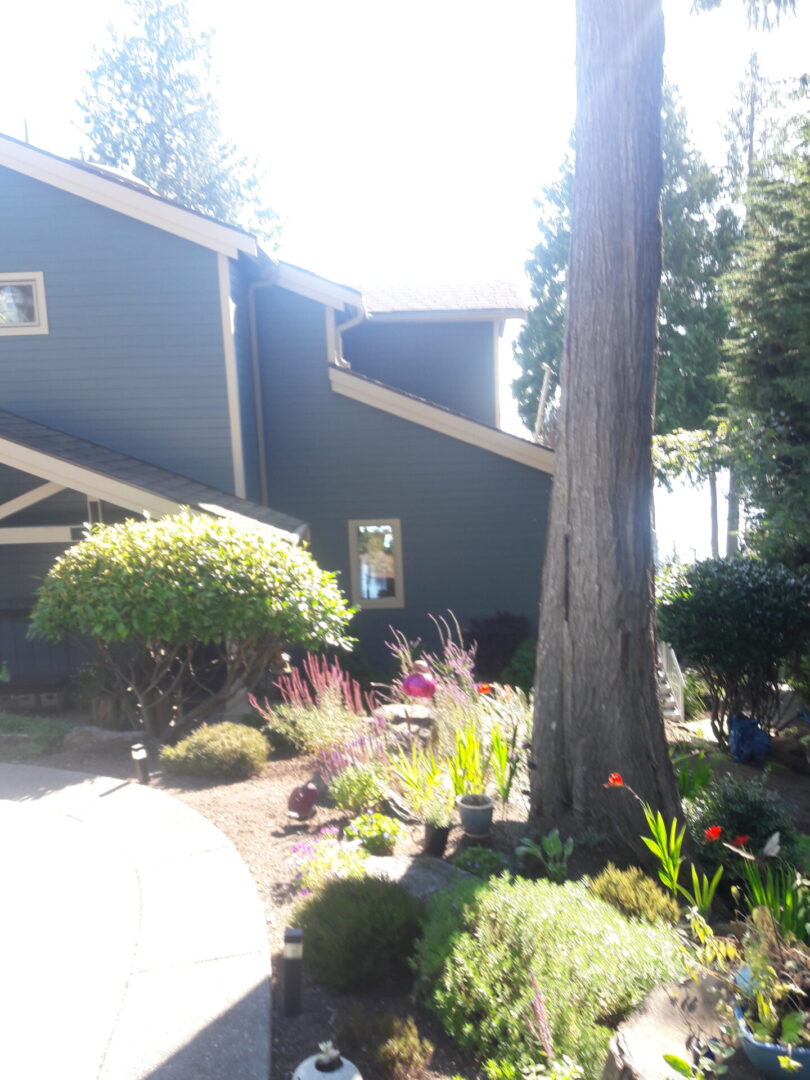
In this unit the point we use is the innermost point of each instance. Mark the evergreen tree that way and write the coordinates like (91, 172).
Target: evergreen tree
(769, 365)
(149, 109)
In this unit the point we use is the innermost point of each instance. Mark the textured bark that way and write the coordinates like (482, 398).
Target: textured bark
(596, 701)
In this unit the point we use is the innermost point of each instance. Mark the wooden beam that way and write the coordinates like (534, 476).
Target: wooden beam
(39, 534)
(28, 498)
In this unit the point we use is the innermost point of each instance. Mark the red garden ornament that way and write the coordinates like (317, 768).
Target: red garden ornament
(419, 683)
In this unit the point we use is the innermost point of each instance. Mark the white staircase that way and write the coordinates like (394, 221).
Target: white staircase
(670, 683)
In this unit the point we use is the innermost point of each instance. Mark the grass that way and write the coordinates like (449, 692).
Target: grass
(44, 735)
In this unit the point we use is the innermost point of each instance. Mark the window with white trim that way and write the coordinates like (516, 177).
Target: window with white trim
(22, 303)
(375, 554)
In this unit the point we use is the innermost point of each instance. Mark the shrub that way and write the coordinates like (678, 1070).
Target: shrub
(232, 751)
(741, 807)
(393, 1043)
(318, 859)
(592, 964)
(188, 605)
(692, 773)
(480, 861)
(358, 787)
(358, 932)
(377, 833)
(519, 672)
(736, 622)
(635, 894)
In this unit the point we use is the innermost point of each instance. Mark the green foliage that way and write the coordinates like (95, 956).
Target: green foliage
(504, 759)
(769, 356)
(695, 694)
(635, 894)
(188, 602)
(736, 622)
(148, 109)
(692, 773)
(665, 844)
(784, 893)
(469, 764)
(519, 672)
(552, 854)
(393, 1043)
(701, 895)
(591, 962)
(359, 787)
(318, 859)
(741, 807)
(358, 932)
(425, 785)
(480, 861)
(377, 833)
(40, 735)
(232, 751)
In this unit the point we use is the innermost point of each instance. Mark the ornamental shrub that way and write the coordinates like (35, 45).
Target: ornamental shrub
(635, 894)
(319, 858)
(358, 932)
(737, 622)
(390, 1044)
(187, 609)
(232, 751)
(741, 807)
(482, 862)
(592, 964)
(359, 787)
(377, 833)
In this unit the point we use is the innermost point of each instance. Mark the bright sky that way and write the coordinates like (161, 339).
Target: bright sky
(401, 141)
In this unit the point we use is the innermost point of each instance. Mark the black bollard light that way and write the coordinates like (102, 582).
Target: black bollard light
(140, 761)
(293, 963)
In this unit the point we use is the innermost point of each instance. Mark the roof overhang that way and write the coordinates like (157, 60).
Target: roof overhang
(150, 209)
(314, 287)
(489, 315)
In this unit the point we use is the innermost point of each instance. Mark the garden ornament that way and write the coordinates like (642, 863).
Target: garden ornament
(419, 683)
(301, 803)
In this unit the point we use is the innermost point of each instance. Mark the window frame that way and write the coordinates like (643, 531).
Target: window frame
(398, 599)
(36, 278)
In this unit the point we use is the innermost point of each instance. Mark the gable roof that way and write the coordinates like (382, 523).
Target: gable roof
(482, 300)
(118, 193)
(123, 480)
(438, 418)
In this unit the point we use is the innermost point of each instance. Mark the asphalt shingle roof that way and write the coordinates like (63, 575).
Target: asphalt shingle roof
(498, 297)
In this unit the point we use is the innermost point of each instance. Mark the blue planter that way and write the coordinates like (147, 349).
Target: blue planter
(765, 1056)
(475, 812)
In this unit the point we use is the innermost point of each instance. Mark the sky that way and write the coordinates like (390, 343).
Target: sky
(401, 142)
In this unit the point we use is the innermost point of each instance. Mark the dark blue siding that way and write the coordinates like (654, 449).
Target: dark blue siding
(244, 372)
(473, 523)
(134, 357)
(450, 363)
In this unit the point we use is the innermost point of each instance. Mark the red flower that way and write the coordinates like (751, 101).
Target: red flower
(713, 832)
(484, 688)
(615, 780)
(741, 841)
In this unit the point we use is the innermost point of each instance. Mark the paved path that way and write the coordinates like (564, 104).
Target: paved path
(132, 940)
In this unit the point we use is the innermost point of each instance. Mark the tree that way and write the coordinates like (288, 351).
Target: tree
(186, 610)
(148, 109)
(770, 357)
(596, 704)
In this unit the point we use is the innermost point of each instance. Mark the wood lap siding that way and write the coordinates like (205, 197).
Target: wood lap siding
(134, 356)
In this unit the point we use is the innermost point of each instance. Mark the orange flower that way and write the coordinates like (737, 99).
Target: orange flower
(484, 688)
(741, 841)
(713, 832)
(615, 780)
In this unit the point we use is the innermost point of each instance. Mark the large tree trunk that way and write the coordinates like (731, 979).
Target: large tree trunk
(596, 706)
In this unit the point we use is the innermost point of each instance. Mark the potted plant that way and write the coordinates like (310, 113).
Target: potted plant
(468, 768)
(429, 793)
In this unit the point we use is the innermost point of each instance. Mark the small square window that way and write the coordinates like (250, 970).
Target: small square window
(375, 551)
(22, 303)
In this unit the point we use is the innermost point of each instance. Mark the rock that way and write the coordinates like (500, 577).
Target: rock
(87, 738)
(672, 1019)
(421, 876)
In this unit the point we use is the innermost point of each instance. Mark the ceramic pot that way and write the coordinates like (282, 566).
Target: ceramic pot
(475, 812)
(344, 1070)
(765, 1056)
(436, 839)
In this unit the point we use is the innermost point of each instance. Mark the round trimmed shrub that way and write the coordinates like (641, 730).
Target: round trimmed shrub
(232, 751)
(591, 963)
(635, 894)
(358, 932)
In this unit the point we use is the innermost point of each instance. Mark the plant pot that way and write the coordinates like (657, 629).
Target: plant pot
(765, 1056)
(475, 812)
(435, 839)
(343, 1070)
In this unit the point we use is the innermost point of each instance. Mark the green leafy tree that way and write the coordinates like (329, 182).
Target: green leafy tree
(769, 365)
(186, 610)
(149, 109)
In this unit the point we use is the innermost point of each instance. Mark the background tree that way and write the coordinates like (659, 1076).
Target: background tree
(149, 109)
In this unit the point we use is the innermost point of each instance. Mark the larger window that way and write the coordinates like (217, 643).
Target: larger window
(375, 552)
(22, 303)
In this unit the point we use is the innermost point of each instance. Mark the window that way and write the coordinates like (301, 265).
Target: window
(22, 303)
(375, 551)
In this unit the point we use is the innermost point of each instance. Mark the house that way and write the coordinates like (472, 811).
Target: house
(152, 358)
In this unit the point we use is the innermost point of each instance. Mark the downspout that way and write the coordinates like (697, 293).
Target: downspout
(355, 320)
(255, 367)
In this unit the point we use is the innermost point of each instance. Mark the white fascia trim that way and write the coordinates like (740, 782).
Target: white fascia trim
(231, 378)
(124, 200)
(429, 416)
(296, 280)
(38, 534)
(445, 316)
(88, 482)
(29, 498)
